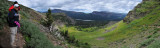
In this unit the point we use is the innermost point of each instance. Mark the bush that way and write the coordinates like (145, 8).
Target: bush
(3, 16)
(43, 22)
(24, 15)
(155, 44)
(33, 36)
(147, 42)
(149, 36)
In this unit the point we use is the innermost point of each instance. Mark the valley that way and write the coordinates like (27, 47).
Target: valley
(57, 28)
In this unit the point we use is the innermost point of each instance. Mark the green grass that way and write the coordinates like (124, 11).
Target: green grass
(86, 36)
(121, 31)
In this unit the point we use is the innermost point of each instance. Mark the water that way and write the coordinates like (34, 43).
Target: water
(84, 20)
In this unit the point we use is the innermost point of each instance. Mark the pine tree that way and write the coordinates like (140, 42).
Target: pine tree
(49, 18)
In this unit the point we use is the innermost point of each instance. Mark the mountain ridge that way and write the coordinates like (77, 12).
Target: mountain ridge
(95, 15)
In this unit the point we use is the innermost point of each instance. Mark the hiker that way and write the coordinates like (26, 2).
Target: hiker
(13, 6)
(13, 20)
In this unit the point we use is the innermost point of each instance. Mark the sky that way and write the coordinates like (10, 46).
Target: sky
(87, 6)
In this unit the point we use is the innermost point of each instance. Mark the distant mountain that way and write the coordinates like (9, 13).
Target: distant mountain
(95, 15)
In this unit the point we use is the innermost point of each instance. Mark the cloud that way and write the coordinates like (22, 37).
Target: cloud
(120, 6)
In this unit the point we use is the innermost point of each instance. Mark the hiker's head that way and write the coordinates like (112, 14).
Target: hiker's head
(16, 7)
(15, 2)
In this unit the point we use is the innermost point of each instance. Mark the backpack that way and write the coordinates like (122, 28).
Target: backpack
(7, 18)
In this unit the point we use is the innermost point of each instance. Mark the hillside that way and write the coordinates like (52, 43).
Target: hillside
(95, 15)
(32, 33)
(139, 29)
(61, 17)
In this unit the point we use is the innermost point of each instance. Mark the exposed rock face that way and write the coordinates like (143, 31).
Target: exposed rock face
(136, 13)
(56, 31)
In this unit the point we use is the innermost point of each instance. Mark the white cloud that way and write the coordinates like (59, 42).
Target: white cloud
(121, 6)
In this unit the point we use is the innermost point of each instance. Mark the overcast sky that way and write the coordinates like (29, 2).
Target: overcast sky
(120, 6)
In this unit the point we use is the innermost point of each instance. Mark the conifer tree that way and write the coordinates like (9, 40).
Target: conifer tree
(49, 18)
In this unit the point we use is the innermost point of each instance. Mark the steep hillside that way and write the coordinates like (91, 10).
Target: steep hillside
(32, 32)
(141, 10)
(139, 29)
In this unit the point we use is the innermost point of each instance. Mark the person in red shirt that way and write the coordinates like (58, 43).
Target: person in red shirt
(13, 6)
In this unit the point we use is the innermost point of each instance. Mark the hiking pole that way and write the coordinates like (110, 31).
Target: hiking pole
(17, 23)
(18, 37)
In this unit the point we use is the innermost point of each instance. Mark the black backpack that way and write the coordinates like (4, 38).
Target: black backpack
(7, 18)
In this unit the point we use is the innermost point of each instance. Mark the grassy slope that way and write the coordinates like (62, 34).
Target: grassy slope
(122, 30)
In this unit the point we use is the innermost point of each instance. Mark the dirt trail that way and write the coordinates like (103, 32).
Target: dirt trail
(111, 29)
(100, 38)
(20, 42)
(5, 39)
(106, 31)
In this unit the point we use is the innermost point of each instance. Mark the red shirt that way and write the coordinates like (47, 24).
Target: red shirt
(12, 8)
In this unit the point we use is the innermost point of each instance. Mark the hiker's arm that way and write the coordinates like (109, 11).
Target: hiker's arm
(19, 16)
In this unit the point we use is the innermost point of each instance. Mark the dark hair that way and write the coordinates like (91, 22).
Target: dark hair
(15, 2)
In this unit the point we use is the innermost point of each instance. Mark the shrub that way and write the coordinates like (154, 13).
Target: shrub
(24, 15)
(155, 44)
(147, 42)
(3, 16)
(155, 33)
(149, 36)
(33, 36)
(43, 22)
